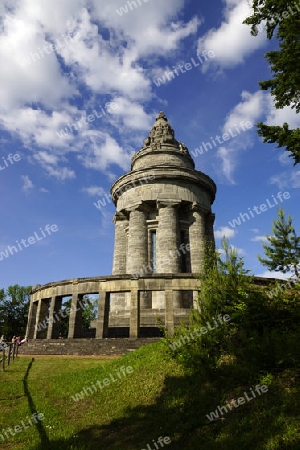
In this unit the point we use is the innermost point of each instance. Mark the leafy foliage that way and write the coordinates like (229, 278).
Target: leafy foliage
(283, 248)
(14, 306)
(282, 17)
(262, 332)
(89, 313)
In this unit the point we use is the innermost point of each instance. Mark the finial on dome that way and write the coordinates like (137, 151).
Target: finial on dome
(161, 115)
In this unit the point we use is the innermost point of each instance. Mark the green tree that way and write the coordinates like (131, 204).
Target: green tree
(283, 18)
(283, 247)
(223, 291)
(64, 319)
(89, 312)
(14, 306)
(262, 332)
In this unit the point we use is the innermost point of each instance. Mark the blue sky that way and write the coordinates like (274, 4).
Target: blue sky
(96, 67)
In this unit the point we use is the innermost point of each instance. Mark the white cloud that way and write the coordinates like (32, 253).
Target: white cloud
(57, 50)
(240, 252)
(131, 114)
(247, 112)
(61, 173)
(259, 239)
(288, 179)
(285, 159)
(224, 232)
(103, 151)
(249, 109)
(94, 191)
(273, 274)
(252, 108)
(232, 41)
(151, 27)
(280, 116)
(228, 163)
(51, 163)
(254, 230)
(27, 183)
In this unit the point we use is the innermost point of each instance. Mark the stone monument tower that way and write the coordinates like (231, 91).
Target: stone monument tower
(163, 215)
(163, 208)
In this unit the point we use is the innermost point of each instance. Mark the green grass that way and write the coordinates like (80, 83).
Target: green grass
(156, 399)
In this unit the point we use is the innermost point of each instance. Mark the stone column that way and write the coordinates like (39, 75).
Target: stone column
(120, 248)
(168, 239)
(169, 307)
(41, 325)
(103, 313)
(32, 318)
(54, 317)
(197, 238)
(118, 300)
(210, 219)
(75, 317)
(134, 330)
(137, 250)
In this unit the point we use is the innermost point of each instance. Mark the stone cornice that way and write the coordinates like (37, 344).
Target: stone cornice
(196, 207)
(167, 203)
(162, 173)
(162, 149)
(120, 216)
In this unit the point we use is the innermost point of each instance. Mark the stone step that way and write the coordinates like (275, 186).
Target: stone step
(99, 347)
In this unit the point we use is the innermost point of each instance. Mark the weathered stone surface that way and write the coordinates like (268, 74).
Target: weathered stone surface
(163, 215)
(101, 347)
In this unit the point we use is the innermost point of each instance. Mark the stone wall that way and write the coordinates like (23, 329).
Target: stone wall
(99, 347)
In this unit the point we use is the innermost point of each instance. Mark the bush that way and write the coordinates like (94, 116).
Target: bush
(261, 333)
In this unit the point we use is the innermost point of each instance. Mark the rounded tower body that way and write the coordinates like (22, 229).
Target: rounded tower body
(163, 215)
(163, 209)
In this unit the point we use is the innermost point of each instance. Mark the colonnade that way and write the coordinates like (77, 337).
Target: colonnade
(45, 315)
(45, 311)
(131, 251)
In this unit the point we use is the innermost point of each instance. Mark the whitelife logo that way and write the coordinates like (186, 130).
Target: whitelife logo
(63, 314)
(9, 160)
(183, 68)
(11, 250)
(132, 5)
(184, 339)
(18, 428)
(259, 209)
(162, 441)
(92, 389)
(47, 50)
(214, 415)
(230, 134)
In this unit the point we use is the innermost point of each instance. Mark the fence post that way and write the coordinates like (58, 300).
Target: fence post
(12, 351)
(3, 359)
(8, 356)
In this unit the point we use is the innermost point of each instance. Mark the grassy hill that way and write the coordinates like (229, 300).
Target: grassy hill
(129, 402)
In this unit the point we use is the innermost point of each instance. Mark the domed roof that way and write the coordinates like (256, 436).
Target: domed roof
(161, 148)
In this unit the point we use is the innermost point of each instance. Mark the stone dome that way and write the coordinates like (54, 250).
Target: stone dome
(161, 149)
